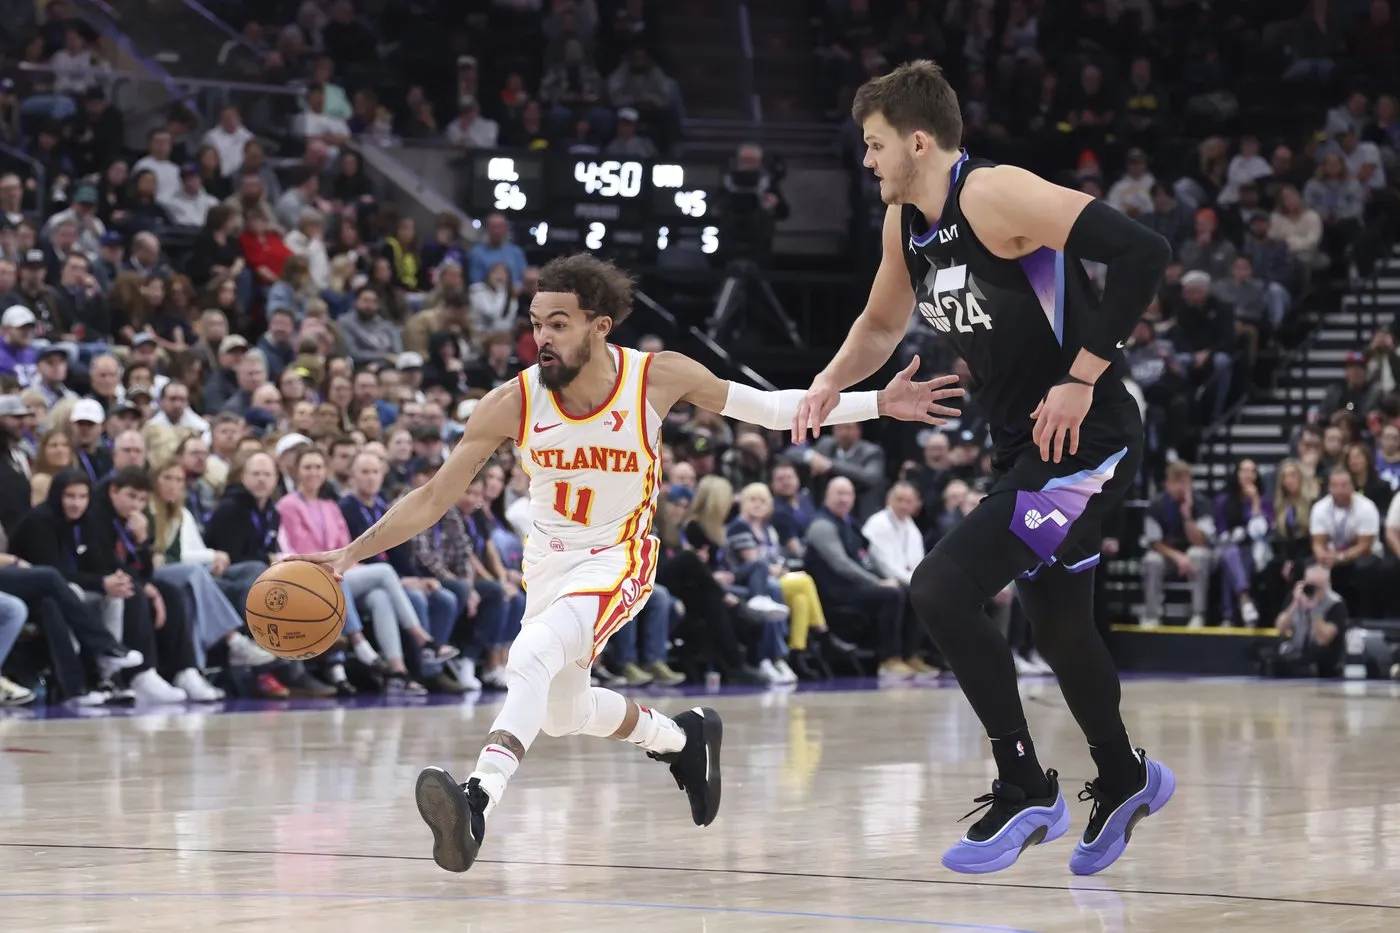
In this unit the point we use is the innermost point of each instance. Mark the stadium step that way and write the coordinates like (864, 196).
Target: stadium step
(1263, 431)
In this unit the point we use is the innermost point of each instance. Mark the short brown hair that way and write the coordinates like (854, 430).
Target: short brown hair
(915, 96)
(1179, 469)
(602, 289)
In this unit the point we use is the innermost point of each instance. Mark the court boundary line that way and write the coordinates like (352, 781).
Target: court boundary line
(760, 872)
(499, 899)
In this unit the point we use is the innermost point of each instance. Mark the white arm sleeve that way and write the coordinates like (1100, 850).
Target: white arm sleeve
(775, 410)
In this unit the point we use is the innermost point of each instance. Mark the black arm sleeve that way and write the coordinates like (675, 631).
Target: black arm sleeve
(1136, 258)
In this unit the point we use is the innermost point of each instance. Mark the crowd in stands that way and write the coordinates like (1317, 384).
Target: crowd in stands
(209, 358)
(1262, 141)
(580, 75)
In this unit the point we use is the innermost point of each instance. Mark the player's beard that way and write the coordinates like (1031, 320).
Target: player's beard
(563, 372)
(899, 184)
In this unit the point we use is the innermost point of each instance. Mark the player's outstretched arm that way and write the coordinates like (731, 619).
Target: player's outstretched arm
(494, 420)
(873, 337)
(677, 377)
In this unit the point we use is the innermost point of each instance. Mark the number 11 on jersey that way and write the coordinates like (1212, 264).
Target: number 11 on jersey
(563, 492)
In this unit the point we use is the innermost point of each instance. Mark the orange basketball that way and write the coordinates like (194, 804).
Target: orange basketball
(296, 609)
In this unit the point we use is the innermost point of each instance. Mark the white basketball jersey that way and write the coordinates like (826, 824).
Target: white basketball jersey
(593, 478)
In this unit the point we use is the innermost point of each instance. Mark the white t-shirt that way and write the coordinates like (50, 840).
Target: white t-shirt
(229, 146)
(895, 544)
(1392, 515)
(1344, 526)
(167, 175)
(312, 125)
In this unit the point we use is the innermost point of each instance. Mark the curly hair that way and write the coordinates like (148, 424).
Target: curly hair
(602, 289)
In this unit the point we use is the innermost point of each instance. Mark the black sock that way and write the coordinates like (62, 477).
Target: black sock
(1120, 771)
(1016, 763)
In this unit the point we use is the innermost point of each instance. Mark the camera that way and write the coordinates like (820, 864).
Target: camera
(1309, 590)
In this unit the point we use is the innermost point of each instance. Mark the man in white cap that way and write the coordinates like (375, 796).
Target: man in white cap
(223, 383)
(18, 358)
(288, 446)
(94, 458)
(628, 144)
(410, 367)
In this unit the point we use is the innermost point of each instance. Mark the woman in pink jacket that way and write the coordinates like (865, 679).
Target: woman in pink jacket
(311, 524)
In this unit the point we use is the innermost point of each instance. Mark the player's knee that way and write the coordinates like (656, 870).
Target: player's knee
(534, 658)
(942, 591)
(568, 715)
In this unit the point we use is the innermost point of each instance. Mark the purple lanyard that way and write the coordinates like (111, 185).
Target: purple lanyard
(264, 527)
(130, 545)
(372, 515)
(478, 541)
(77, 545)
(87, 466)
(1339, 529)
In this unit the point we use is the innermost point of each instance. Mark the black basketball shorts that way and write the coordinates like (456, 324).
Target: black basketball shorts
(1039, 514)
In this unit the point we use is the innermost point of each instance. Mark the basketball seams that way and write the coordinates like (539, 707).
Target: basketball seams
(281, 582)
(335, 618)
(286, 621)
(330, 636)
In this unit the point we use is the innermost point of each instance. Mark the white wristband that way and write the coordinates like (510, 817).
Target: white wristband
(775, 410)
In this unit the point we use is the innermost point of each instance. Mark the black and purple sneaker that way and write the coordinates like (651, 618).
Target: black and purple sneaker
(1112, 820)
(1014, 823)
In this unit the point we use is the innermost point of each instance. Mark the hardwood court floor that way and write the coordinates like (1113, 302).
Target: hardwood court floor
(836, 808)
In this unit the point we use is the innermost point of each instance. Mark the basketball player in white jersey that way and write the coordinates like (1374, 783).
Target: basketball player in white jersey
(587, 421)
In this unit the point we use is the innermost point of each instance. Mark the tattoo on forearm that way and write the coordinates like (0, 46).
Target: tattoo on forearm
(507, 741)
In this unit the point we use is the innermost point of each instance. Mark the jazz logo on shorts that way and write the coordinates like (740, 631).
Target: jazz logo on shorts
(1034, 519)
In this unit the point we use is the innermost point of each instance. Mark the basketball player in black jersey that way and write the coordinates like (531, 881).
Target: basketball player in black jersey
(991, 256)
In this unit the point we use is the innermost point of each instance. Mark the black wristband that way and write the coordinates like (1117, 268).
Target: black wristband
(1071, 379)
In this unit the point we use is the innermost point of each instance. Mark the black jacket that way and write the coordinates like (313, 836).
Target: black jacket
(119, 548)
(46, 538)
(242, 530)
(14, 491)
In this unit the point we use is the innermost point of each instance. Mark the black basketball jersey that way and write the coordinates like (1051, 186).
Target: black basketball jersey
(1016, 322)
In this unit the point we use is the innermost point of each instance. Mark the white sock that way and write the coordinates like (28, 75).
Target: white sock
(336, 672)
(656, 732)
(365, 652)
(494, 767)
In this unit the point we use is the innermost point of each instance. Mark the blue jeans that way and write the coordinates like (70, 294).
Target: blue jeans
(491, 615)
(514, 613)
(437, 613)
(13, 613)
(1279, 302)
(80, 353)
(211, 614)
(1222, 367)
(53, 106)
(654, 621)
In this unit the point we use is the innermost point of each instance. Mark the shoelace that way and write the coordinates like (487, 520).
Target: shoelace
(1103, 805)
(987, 800)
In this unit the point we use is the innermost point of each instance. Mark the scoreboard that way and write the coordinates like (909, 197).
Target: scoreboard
(630, 207)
